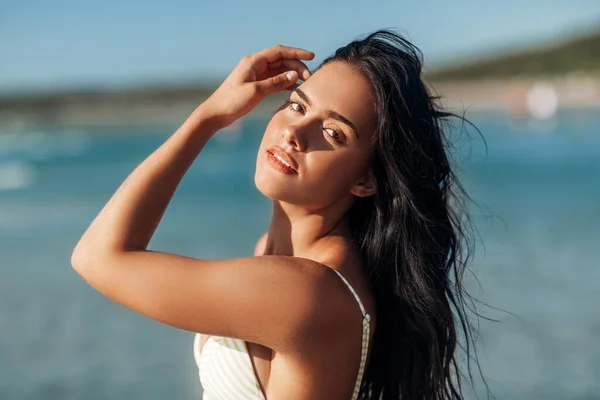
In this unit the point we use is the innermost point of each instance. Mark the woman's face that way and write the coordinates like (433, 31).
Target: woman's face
(324, 136)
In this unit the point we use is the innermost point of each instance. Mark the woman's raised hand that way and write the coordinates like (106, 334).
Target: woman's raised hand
(257, 75)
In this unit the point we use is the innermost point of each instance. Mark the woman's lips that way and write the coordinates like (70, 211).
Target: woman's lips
(279, 163)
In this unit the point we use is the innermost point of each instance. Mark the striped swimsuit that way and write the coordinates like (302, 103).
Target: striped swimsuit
(226, 371)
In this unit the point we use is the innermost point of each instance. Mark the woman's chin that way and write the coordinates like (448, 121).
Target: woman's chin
(273, 188)
(267, 186)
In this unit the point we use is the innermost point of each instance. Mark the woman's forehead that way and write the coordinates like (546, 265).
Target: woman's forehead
(338, 87)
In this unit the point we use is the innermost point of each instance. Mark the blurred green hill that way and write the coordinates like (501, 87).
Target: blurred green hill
(487, 82)
(580, 54)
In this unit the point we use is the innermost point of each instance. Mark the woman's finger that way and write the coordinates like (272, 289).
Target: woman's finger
(281, 71)
(274, 71)
(279, 52)
(275, 64)
(277, 82)
(288, 64)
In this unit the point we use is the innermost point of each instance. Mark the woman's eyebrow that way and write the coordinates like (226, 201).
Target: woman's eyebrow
(330, 113)
(343, 119)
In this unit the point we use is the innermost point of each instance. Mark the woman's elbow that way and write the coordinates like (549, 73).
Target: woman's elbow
(84, 258)
(79, 258)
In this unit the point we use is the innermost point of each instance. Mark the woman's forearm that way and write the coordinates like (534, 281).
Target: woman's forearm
(128, 221)
(130, 218)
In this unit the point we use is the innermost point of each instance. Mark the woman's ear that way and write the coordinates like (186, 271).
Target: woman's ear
(365, 187)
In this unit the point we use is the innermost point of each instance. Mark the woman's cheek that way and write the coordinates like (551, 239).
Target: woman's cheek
(333, 173)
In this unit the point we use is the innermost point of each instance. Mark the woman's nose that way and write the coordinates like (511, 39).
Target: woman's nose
(294, 136)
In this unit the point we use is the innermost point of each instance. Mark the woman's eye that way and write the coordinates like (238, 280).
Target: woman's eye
(333, 134)
(296, 106)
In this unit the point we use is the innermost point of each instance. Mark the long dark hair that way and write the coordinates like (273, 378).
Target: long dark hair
(412, 232)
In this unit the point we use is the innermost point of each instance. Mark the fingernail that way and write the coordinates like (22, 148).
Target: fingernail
(291, 76)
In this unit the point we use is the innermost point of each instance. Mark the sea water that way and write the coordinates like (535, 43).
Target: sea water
(536, 192)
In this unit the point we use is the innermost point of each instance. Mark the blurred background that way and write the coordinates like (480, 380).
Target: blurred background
(89, 89)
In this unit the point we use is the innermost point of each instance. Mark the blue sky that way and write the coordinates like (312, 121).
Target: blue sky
(57, 44)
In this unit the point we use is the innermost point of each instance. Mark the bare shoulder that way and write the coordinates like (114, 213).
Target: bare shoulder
(334, 342)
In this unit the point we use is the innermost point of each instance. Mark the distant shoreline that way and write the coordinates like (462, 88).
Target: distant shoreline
(173, 105)
(519, 96)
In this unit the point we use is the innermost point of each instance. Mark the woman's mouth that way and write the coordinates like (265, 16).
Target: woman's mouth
(280, 162)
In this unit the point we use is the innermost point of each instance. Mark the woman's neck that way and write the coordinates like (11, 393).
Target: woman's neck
(296, 231)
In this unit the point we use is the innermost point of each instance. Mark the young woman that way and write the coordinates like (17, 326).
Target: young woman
(355, 290)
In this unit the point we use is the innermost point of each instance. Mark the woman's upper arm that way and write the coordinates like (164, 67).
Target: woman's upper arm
(267, 299)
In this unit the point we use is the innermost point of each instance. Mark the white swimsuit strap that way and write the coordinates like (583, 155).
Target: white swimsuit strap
(365, 336)
(360, 304)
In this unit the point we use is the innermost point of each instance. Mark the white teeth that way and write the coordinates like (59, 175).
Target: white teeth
(282, 161)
